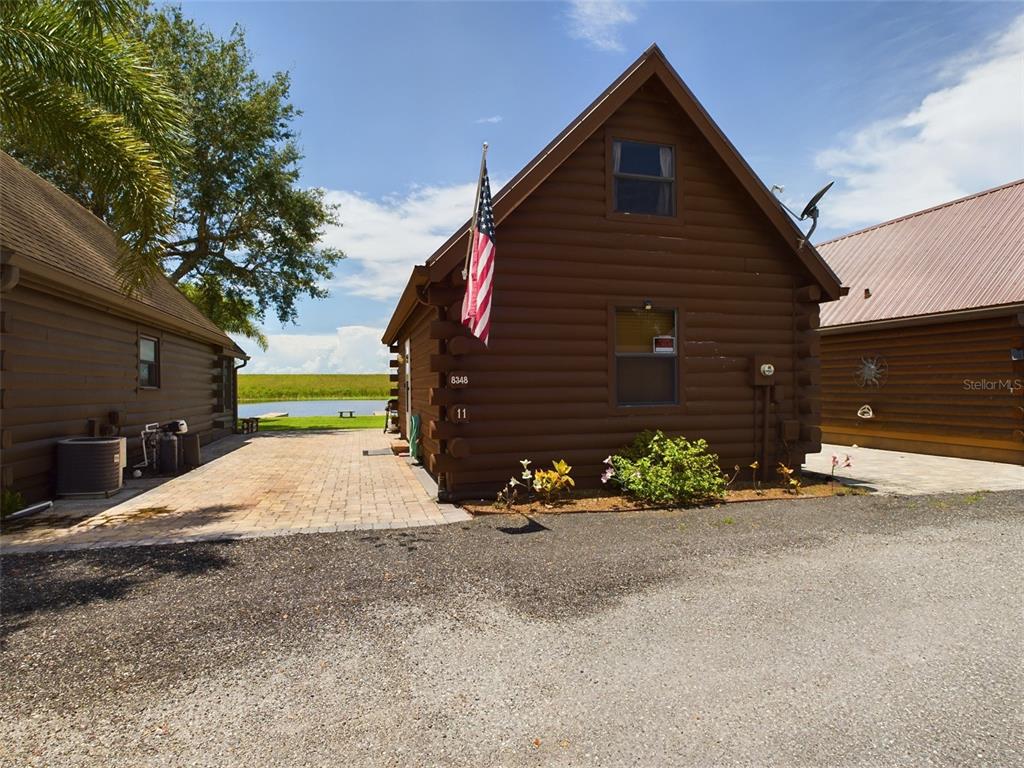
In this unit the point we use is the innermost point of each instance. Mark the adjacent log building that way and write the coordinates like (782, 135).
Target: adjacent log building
(926, 353)
(77, 355)
(644, 278)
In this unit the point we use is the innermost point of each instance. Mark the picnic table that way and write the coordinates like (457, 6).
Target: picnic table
(346, 414)
(250, 424)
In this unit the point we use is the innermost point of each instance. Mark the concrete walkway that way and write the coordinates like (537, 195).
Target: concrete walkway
(916, 473)
(266, 484)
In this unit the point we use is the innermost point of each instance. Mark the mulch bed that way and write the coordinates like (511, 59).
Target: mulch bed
(604, 501)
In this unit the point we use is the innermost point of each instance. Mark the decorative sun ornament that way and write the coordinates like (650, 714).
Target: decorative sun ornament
(872, 372)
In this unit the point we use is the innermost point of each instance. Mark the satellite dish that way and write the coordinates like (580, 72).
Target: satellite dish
(810, 210)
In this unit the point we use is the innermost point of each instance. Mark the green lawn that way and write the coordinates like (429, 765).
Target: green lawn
(320, 422)
(268, 387)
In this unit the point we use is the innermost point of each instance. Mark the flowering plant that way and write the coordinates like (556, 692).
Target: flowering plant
(789, 479)
(755, 465)
(837, 464)
(662, 469)
(549, 484)
(609, 471)
(552, 483)
(509, 495)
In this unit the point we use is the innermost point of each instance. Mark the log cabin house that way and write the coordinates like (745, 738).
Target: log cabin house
(644, 278)
(926, 353)
(77, 355)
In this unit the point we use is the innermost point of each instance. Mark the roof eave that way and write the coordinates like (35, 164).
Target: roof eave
(949, 316)
(406, 303)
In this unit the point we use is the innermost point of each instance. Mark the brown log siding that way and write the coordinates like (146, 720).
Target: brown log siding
(924, 406)
(423, 380)
(544, 388)
(65, 363)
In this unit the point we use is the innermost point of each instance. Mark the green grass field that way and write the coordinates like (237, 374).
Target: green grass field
(268, 387)
(320, 422)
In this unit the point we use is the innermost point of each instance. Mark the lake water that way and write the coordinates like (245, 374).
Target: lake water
(311, 407)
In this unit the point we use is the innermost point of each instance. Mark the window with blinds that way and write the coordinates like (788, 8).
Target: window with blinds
(149, 362)
(643, 178)
(646, 356)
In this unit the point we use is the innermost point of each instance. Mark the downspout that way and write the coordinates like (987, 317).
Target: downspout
(234, 392)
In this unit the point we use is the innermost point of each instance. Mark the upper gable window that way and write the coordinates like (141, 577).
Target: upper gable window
(643, 178)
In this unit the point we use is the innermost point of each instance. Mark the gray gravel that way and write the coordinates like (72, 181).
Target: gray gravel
(851, 631)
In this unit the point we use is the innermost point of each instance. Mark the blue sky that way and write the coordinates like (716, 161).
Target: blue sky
(904, 104)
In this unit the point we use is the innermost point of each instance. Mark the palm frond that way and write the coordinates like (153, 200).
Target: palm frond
(231, 311)
(99, 16)
(122, 167)
(46, 41)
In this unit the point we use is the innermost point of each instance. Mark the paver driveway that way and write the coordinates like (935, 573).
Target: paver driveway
(916, 473)
(270, 484)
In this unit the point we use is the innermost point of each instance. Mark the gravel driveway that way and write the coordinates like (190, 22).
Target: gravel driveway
(856, 631)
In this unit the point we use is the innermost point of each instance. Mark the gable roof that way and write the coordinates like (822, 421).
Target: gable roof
(964, 254)
(652, 63)
(48, 234)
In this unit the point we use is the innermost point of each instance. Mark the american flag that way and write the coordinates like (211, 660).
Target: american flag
(476, 306)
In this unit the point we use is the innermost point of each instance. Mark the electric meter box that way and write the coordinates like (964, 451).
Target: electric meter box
(764, 371)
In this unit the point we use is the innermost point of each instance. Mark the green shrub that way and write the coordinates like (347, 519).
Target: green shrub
(10, 502)
(667, 470)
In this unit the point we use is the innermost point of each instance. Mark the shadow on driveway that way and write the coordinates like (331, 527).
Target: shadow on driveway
(37, 588)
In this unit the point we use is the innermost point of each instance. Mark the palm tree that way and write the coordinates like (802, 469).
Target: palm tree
(77, 91)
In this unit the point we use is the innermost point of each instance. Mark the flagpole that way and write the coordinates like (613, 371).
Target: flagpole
(442, 477)
(476, 210)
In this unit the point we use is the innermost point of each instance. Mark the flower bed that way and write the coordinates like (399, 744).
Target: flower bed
(605, 501)
(655, 471)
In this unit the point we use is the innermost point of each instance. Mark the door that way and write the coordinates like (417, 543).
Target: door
(408, 388)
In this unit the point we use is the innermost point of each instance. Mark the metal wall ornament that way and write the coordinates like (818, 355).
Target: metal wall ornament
(872, 372)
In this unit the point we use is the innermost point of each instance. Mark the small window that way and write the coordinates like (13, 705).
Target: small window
(646, 358)
(643, 177)
(227, 380)
(149, 362)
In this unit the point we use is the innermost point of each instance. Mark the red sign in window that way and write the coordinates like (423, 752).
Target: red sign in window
(665, 345)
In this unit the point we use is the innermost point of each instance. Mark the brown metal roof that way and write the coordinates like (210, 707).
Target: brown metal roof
(965, 254)
(42, 227)
(652, 63)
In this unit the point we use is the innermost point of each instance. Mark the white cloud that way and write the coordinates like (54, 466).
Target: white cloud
(350, 349)
(963, 137)
(492, 120)
(384, 239)
(599, 22)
